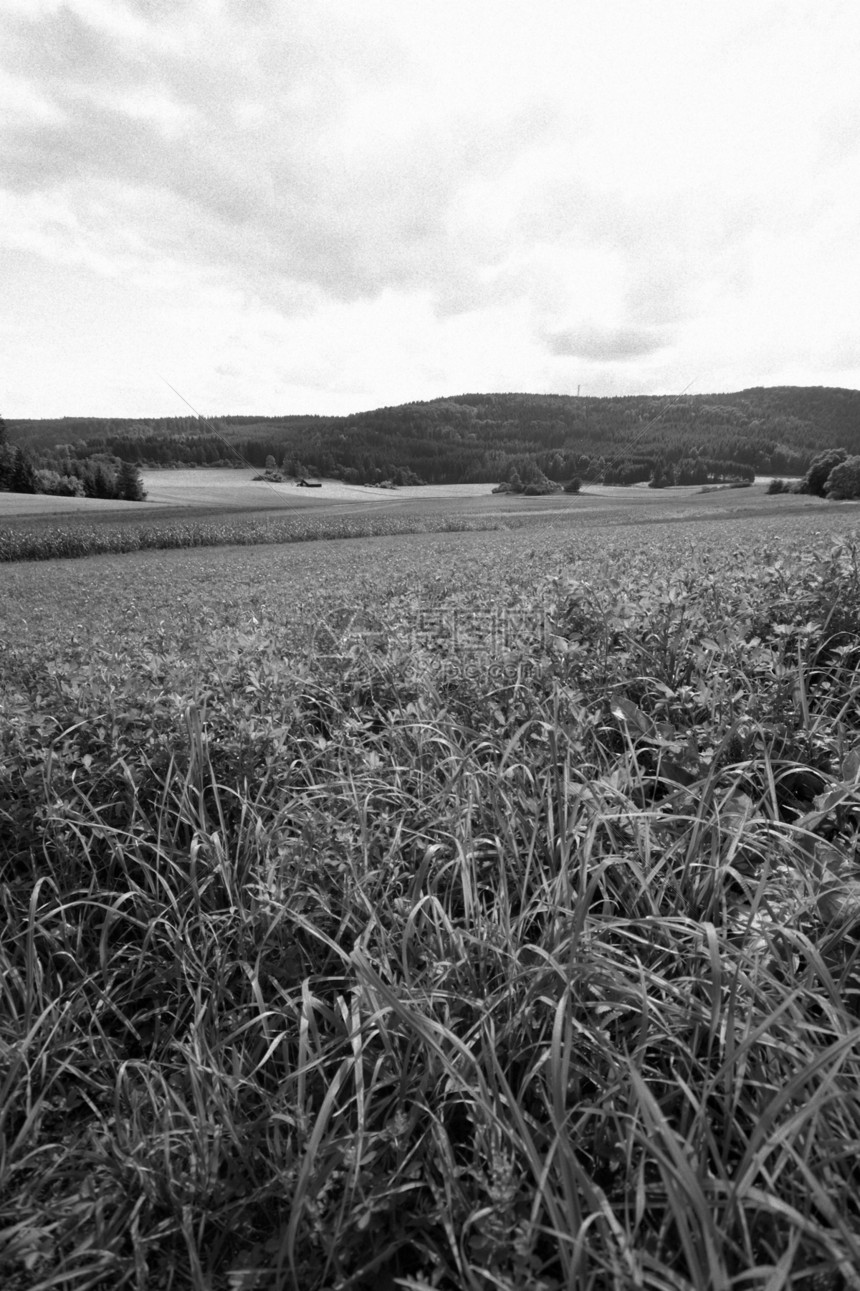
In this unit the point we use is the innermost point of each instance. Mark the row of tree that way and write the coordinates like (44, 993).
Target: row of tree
(96, 476)
(697, 439)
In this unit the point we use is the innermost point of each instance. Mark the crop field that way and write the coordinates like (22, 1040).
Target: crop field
(472, 907)
(229, 488)
(224, 508)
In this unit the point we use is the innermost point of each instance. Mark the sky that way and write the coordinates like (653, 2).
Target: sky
(327, 206)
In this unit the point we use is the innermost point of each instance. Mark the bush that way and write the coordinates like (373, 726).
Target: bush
(61, 486)
(573, 486)
(778, 486)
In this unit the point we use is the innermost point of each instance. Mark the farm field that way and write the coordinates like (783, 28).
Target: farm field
(233, 490)
(14, 506)
(220, 508)
(460, 908)
(229, 488)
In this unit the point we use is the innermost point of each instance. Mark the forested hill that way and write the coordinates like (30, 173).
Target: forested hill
(484, 437)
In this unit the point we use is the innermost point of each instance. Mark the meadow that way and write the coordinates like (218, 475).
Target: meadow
(470, 908)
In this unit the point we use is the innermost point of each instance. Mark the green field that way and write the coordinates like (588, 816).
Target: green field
(469, 907)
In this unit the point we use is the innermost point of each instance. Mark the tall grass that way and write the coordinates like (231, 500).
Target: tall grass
(531, 967)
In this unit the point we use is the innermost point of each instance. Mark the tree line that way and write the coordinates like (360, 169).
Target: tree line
(834, 474)
(95, 476)
(474, 438)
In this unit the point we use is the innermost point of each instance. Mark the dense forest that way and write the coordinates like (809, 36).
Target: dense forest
(690, 439)
(66, 473)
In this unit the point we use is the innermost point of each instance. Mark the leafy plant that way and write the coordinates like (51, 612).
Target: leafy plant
(480, 917)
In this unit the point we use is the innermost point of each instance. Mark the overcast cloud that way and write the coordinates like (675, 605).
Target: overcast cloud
(326, 205)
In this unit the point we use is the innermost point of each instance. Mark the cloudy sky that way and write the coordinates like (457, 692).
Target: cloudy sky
(330, 205)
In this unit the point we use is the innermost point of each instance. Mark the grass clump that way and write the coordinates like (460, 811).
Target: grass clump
(507, 960)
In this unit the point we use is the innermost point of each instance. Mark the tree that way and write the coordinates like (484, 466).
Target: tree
(661, 476)
(23, 476)
(129, 485)
(534, 482)
(816, 477)
(844, 480)
(97, 483)
(691, 470)
(9, 466)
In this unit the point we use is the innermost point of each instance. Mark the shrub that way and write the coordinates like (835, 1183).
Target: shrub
(63, 486)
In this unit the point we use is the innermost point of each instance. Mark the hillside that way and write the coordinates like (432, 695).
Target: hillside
(482, 437)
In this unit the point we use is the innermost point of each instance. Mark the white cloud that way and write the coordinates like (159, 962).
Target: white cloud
(331, 206)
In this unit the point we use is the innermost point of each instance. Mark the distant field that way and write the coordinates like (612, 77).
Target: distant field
(233, 490)
(225, 508)
(230, 490)
(238, 488)
(43, 504)
(238, 491)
